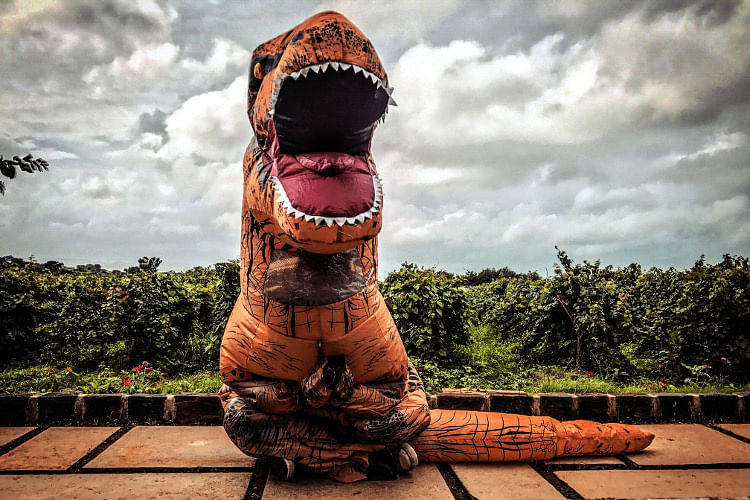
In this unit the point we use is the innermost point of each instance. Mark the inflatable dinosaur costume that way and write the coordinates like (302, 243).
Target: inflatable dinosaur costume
(313, 368)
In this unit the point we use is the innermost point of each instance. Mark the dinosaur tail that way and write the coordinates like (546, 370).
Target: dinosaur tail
(472, 436)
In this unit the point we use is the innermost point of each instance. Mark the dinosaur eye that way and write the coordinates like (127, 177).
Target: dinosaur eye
(258, 71)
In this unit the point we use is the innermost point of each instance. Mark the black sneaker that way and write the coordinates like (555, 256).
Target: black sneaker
(386, 464)
(281, 468)
(383, 466)
(407, 458)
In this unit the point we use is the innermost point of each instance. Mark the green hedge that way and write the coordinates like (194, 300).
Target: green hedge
(626, 322)
(115, 320)
(619, 323)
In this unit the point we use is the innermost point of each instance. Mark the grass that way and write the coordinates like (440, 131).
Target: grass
(492, 363)
(496, 364)
(44, 379)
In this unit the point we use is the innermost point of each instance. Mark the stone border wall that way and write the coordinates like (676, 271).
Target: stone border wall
(205, 409)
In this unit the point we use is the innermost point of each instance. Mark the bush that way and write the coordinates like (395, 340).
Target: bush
(115, 320)
(622, 324)
(625, 323)
(430, 310)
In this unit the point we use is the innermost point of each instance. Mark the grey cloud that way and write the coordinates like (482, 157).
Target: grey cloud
(714, 11)
(153, 122)
(615, 173)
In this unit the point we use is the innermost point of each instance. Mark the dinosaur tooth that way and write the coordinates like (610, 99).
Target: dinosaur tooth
(324, 67)
(315, 68)
(304, 71)
(345, 66)
(356, 69)
(335, 66)
(392, 101)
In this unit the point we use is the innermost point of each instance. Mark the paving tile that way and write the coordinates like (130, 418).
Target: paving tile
(679, 444)
(57, 448)
(424, 482)
(585, 460)
(8, 434)
(172, 446)
(229, 485)
(739, 429)
(509, 480)
(659, 483)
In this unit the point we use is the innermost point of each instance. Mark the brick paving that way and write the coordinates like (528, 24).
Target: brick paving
(684, 444)
(174, 446)
(8, 434)
(685, 461)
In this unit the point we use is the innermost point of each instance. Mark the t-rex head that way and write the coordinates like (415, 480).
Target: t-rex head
(316, 94)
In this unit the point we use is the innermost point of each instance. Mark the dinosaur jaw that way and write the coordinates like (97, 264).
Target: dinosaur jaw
(332, 204)
(323, 117)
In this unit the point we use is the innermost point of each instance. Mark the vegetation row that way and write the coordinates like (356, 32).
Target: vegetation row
(492, 329)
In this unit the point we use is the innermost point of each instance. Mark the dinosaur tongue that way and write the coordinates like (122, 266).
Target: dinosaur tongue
(330, 184)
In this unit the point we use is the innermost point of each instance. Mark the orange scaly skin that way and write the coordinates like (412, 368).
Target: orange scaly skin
(326, 382)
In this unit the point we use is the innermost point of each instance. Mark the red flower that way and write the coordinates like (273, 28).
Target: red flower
(134, 369)
(706, 367)
(126, 381)
(664, 380)
(140, 367)
(651, 386)
(589, 374)
(149, 369)
(663, 386)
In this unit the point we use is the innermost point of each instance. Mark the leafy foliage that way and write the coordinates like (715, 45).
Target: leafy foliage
(25, 164)
(113, 320)
(625, 323)
(470, 278)
(659, 328)
(430, 310)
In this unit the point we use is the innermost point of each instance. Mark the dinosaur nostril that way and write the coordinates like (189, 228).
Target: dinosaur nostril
(330, 169)
(326, 164)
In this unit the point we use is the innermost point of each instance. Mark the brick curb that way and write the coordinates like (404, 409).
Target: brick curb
(205, 409)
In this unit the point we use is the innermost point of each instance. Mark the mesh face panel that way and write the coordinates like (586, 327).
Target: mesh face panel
(332, 111)
(303, 278)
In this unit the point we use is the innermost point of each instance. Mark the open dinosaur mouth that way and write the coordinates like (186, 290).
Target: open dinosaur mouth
(324, 116)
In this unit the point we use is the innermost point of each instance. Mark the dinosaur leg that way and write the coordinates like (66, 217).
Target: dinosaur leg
(328, 425)
(313, 443)
(388, 413)
(471, 436)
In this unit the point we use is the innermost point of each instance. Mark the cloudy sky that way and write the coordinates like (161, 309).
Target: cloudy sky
(616, 130)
